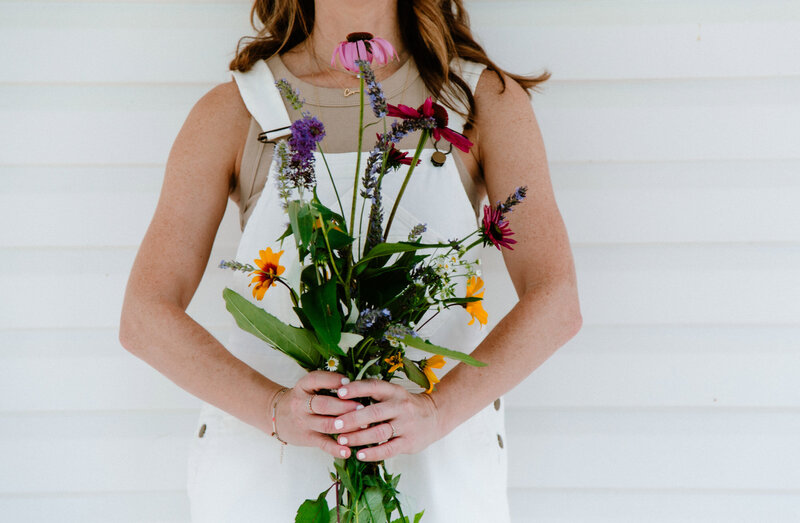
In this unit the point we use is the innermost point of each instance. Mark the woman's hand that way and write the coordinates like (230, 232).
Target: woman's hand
(412, 417)
(298, 425)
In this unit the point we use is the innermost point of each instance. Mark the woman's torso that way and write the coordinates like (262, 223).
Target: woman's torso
(339, 114)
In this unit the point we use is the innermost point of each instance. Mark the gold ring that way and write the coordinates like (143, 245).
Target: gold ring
(394, 431)
(308, 404)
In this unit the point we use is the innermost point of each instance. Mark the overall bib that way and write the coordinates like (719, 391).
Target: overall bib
(235, 471)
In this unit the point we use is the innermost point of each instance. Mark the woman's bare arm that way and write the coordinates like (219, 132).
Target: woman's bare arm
(173, 256)
(511, 152)
(168, 268)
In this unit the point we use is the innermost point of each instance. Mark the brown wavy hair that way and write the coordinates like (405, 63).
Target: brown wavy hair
(434, 32)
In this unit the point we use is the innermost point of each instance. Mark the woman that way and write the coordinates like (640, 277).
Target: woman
(438, 441)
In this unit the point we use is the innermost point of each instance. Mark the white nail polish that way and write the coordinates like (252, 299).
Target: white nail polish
(343, 453)
(361, 455)
(345, 381)
(360, 407)
(342, 392)
(338, 424)
(342, 441)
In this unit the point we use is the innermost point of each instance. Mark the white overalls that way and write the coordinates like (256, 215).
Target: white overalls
(235, 471)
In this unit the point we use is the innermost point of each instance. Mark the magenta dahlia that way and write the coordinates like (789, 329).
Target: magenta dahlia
(431, 109)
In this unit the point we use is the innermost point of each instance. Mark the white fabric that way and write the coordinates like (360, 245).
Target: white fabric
(263, 100)
(235, 473)
(470, 72)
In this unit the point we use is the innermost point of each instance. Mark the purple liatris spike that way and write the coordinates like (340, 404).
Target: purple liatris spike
(307, 132)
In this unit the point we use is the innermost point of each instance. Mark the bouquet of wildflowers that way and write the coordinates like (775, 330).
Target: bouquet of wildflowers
(361, 300)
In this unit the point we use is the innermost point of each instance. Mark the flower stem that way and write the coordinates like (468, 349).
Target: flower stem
(293, 294)
(358, 154)
(417, 153)
(333, 183)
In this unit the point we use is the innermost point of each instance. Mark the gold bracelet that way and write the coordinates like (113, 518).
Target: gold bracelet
(274, 408)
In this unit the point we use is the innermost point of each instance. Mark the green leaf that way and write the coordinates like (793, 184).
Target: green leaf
(344, 476)
(341, 517)
(320, 305)
(299, 344)
(338, 239)
(384, 249)
(367, 365)
(414, 373)
(286, 233)
(461, 300)
(373, 497)
(419, 343)
(313, 511)
(301, 219)
(417, 518)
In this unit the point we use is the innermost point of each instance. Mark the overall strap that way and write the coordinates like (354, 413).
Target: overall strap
(264, 101)
(470, 72)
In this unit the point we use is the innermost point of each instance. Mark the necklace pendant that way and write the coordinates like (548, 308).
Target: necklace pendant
(438, 158)
(348, 91)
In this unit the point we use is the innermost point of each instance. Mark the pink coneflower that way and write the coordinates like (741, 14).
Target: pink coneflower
(362, 46)
(496, 229)
(430, 109)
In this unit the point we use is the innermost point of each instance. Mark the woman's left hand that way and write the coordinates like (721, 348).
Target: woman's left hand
(414, 417)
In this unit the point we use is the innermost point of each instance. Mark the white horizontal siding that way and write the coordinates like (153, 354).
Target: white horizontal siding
(671, 133)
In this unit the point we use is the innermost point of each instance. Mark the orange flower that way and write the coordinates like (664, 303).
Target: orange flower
(396, 361)
(475, 308)
(268, 270)
(427, 366)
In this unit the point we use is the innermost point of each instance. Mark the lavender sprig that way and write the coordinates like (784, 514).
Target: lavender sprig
(282, 174)
(417, 231)
(289, 93)
(376, 97)
(236, 266)
(512, 200)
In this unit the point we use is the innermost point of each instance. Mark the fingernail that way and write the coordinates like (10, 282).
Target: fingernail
(342, 392)
(343, 453)
(345, 381)
(338, 424)
(342, 441)
(361, 455)
(363, 426)
(360, 407)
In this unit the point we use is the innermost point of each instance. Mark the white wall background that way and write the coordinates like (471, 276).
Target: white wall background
(673, 134)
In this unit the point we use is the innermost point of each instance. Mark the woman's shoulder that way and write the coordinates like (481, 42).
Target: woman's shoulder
(223, 102)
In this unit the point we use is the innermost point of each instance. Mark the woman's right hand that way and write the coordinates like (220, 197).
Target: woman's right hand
(298, 426)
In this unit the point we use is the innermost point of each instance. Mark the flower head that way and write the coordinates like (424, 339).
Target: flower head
(427, 365)
(395, 360)
(362, 46)
(475, 308)
(430, 109)
(264, 277)
(495, 229)
(307, 132)
(332, 364)
(395, 158)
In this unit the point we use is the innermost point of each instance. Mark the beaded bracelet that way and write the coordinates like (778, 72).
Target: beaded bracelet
(274, 408)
